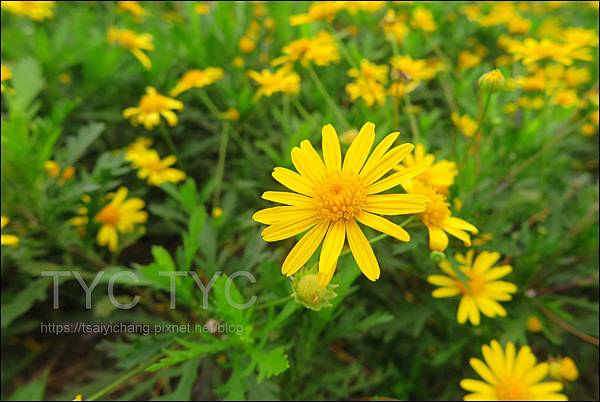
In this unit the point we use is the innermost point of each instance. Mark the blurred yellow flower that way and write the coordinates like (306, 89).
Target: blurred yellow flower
(370, 71)
(531, 50)
(423, 19)
(438, 175)
(120, 215)
(468, 60)
(52, 168)
(231, 114)
(238, 62)
(6, 74)
(476, 281)
(566, 98)
(197, 79)
(509, 375)
(318, 11)
(321, 49)
(34, 10)
(134, 8)
(354, 7)
(202, 8)
(135, 43)
(534, 324)
(283, 80)
(247, 44)
(394, 26)
(464, 123)
(438, 218)
(370, 91)
(151, 107)
(217, 212)
(154, 170)
(413, 69)
(328, 197)
(563, 369)
(6, 239)
(399, 88)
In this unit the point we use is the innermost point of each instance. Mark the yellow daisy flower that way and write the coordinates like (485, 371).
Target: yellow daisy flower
(369, 91)
(157, 171)
(413, 69)
(464, 123)
(329, 196)
(283, 80)
(119, 216)
(197, 79)
(509, 375)
(438, 218)
(6, 239)
(151, 107)
(423, 19)
(476, 279)
(399, 88)
(34, 10)
(439, 175)
(370, 71)
(531, 50)
(321, 49)
(135, 43)
(534, 324)
(134, 8)
(563, 369)
(318, 11)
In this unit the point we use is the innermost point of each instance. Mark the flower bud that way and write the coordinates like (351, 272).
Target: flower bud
(310, 293)
(492, 82)
(437, 256)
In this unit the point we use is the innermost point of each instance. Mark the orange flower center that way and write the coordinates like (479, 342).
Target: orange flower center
(109, 215)
(340, 196)
(512, 389)
(437, 209)
(474, 287)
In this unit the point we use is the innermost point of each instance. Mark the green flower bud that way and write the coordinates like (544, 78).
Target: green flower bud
(492, 82)
(310, 293)
(437, 256)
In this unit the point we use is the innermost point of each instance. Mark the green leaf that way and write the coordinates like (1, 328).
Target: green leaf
(23, 301)
(34, 391)
(77, 145)
(270, 363)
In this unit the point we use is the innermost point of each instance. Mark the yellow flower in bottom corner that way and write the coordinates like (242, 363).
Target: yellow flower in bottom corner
(509, 375)
(119, 216)
(476, 279)
(151, 107)
(329, 196)
(5, 239)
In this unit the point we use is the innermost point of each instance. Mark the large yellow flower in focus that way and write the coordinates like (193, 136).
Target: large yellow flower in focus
(151, 107)
(119, 216)
(509, 375)
(477, 281)
(329, 197)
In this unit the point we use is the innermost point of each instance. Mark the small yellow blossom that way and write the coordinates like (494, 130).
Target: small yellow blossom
(464, 123)
(399, 88)
(120, 215)
(134, 8)
(566, 98)
(34, 10)
(238, 62)
(438, 175)
(52, 168)
(531, 50)
(151, 107)
(153, 169)
(563, 369)
(202, 8)
(321, 49)
(247, 44)
(318, 11)
(413, 69)
(438, 218)
(283, 80)
(534, 324)
(7, 239)
(423, 19)
(65, 78)
(370, 91)
(231, 114)
(476, 281)
(370, 71)
(394, 26)
(217, 212)
(135, 43)
(197, 79)
(468, 60)
(510, 375)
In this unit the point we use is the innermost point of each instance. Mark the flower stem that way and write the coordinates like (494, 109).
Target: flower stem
(414, 127)
(334, 107)
(172, 148)
(221, 163)
(276, 302)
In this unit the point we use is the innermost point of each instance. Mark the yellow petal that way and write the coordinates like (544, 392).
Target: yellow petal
(483, 370)
(269, 216)
(387, 162)
(287, 198)
(396, 179)
(438, 239)
(395, 204)
(378, 153)
(359, 149)
(287, 229)
(331, 149)
(383, 225)
(362, 251)
(292, 180)
(304, 249)
(332, 247)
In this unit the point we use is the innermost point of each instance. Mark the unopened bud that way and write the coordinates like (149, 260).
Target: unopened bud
(437, 256)
(492, 82)
(310, 293)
